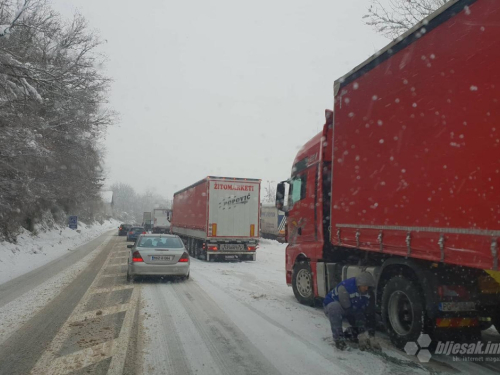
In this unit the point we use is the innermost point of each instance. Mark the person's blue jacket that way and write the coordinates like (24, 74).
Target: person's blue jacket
(347, 294)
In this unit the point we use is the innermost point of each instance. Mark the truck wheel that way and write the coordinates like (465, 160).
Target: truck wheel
(302, 284)
(402, 311)
(190, 246)
(196, 249)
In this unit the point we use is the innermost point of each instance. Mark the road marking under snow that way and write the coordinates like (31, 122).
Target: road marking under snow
(51, 363)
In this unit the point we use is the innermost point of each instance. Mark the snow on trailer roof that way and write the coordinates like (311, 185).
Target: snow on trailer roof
(429, 23)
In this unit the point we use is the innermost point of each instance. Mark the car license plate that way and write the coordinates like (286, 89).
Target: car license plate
(232, 247)
(162, 257)
(229, 257)
(457, 306)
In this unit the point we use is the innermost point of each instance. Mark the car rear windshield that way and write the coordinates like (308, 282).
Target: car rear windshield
(161, 242)
(137, 229)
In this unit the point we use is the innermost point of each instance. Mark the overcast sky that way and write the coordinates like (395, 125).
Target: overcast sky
(221, 87)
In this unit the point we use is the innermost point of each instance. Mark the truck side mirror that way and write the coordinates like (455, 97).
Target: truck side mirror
(280, 196)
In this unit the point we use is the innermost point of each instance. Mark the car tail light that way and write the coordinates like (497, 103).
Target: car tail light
(121, 228)
(144, 232)
(136, 257)
(212, 248)
(252, 248)
(131, 232)
(184, 258)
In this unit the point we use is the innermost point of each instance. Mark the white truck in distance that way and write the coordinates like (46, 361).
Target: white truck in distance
(161, 220)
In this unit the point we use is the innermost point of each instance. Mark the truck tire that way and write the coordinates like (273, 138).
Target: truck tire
(196, 249)
(302, 283)
(402, 311)
(190, 246)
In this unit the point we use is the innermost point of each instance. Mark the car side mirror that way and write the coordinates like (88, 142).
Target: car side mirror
(130, 246)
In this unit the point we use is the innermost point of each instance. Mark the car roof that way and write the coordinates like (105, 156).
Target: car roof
(161, 235)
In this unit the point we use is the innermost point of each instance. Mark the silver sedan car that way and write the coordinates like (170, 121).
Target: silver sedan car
(158, 255)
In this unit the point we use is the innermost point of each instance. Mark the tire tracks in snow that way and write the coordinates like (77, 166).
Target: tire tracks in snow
(394, 369)
(233, 351)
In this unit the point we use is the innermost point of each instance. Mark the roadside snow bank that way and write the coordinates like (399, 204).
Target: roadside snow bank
(32, 251)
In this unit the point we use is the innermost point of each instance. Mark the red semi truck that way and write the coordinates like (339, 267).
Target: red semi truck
(404, 180)
(218, 217)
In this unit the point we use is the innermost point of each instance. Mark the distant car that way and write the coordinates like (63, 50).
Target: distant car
(134, 232)
(123, 229)
(158, 255)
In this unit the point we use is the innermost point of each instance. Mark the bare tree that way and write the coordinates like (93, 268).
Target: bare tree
(270, 192)
(52, 115)
(392, 18)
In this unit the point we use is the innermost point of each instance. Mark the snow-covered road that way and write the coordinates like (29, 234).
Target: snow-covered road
(242, 318)
(228, 318)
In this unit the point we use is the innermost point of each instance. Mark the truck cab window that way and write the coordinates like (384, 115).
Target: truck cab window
(298, 189)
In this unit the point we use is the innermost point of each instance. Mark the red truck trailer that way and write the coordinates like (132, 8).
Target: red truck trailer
(218, 217)
(403, 180)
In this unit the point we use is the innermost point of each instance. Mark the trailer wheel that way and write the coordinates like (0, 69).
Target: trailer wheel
(302, 284)
(191, 246)
(196, 250)
(402, 311)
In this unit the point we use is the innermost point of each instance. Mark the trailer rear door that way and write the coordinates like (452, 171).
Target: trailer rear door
(234, 208)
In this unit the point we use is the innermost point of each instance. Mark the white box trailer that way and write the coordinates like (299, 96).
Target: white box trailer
(219, 217)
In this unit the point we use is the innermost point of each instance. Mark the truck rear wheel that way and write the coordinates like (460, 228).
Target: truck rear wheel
(196, 249)
(402, 311)
(302, 284)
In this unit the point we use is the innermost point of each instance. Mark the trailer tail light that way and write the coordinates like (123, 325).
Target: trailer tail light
(459, 291)
(456, 322)
(251, 248)
(212, 248)
(252, 230)
(214, 230)
(136, 257)
(184, 258)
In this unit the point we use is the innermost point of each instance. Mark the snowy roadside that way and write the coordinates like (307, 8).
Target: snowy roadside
(33, 251)
(19, 311)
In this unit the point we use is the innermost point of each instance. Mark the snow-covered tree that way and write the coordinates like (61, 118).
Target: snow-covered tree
(392, 18)
(52, 115)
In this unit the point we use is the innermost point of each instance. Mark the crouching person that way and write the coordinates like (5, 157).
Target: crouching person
(354, 301)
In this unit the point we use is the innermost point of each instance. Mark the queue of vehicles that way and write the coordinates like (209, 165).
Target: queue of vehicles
(400, 183)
